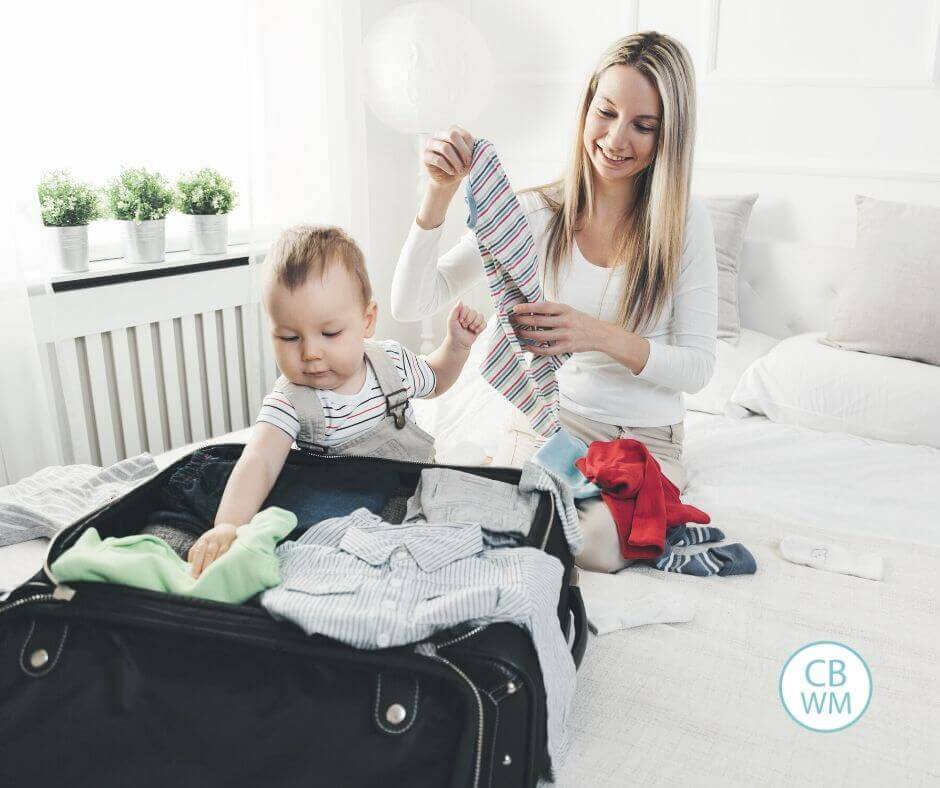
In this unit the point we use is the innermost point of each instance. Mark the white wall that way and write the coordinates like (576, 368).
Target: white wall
(808, 102)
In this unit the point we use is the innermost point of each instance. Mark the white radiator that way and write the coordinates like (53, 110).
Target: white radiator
(155, 364)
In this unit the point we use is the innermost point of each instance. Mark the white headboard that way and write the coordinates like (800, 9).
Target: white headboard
(788, 288)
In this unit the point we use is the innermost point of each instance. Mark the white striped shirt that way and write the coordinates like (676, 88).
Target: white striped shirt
(349, 415)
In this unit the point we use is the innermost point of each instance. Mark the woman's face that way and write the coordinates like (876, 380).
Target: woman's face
(622, 124)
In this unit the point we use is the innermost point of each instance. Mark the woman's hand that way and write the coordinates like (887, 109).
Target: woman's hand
(447, 156)
(565, 328)
(213, 543)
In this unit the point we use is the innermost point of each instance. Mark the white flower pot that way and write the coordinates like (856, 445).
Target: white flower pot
(210, 233)
(145, 242)
(69, 247)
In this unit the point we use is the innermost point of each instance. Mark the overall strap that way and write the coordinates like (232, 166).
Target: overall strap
(389, 379)
(308, 407)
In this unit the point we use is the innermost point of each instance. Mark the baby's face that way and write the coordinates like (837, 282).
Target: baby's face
(319, 328)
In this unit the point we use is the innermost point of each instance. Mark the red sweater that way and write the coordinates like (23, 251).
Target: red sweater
(643, 502)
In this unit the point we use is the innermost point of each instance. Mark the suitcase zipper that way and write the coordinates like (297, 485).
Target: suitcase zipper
(431, 651)
(461, 638)
(59, 594)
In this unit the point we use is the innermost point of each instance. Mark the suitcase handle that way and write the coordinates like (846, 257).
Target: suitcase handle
(579, 614)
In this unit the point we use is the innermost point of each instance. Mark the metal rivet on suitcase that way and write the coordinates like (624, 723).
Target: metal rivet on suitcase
(511, 687)
(507, 761)
(396, 714)
(39, 658)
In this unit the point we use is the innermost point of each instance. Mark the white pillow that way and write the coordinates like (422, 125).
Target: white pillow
(803, 382)
(729, 216)
(888, 304)
(730, 363)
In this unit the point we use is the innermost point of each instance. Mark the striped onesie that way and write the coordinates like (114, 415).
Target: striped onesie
(511, 265)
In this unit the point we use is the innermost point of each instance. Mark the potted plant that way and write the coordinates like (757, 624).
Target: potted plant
(141, 199)
(208, 197)
(68, 206)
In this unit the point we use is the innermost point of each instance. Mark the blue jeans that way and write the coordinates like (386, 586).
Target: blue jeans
(190, 497)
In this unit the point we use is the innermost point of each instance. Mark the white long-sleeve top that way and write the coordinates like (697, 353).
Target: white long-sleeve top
(592, 384)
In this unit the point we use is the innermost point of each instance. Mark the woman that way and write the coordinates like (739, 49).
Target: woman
(627, 262)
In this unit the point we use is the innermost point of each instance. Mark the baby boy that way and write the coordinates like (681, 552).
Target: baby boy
(339, 392)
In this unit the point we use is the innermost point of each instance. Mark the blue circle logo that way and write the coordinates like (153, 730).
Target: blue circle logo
(825, 686)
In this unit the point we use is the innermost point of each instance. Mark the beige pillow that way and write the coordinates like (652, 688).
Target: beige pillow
(729, 215)
(888, 306)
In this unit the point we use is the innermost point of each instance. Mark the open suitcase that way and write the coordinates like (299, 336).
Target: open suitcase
(107, 685)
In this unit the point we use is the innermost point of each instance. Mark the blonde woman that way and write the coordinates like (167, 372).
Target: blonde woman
(627, 262)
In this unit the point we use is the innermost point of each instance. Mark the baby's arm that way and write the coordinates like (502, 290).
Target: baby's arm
(463, 327)
(249, 484)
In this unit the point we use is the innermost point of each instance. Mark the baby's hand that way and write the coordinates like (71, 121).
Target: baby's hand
(464, 325)
(213, 543)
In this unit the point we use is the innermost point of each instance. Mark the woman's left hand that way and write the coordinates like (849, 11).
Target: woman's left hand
(564, 327)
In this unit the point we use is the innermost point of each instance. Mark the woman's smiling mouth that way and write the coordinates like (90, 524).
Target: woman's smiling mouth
(613, 161)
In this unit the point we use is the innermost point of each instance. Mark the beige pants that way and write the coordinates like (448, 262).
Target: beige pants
(601, 551)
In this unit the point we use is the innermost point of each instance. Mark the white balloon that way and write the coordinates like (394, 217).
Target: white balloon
(425, 68)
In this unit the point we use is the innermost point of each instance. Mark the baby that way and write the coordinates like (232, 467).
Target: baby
(338, 393)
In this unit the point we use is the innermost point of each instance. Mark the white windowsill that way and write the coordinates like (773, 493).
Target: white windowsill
(42, 285)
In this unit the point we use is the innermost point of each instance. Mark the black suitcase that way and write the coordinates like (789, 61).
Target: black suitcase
(108, 685)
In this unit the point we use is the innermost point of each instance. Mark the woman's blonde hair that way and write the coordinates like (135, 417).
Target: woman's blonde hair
(651, 244)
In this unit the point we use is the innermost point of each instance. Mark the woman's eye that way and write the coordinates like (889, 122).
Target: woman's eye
(645, 129)
(606, 114)
(287, 339)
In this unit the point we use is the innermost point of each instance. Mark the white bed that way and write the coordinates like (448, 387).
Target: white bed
(697, 703)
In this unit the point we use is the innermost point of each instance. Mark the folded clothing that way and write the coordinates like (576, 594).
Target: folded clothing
(446, 495)
(52, 498)
(504, 511)
(145, 561)
(831, 558)
(559, 454)
(613, 603)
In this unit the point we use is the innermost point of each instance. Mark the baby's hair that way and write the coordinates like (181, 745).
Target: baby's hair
(306, 249)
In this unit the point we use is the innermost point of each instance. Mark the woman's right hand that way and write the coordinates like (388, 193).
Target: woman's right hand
(447, 156)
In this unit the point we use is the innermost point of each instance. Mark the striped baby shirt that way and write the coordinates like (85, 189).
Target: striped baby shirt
(373, 584)
(511, 266)
(349, 415)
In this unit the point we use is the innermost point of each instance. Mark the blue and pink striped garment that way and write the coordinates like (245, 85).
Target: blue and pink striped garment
(511, 265)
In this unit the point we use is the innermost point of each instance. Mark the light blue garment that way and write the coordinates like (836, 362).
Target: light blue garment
(373, 584)
(558, 454)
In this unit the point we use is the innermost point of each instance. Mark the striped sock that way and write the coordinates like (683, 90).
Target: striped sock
(511, 265)
(731, 559)
(688, 535)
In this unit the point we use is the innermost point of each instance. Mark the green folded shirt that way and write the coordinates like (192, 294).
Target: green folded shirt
(146, 561)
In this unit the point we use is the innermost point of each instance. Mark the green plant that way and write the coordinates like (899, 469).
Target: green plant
(66, 202)
(205, 192)
(139, 195)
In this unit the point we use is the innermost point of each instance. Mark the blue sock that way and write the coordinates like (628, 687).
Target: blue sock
(732, 559)
(688, 535)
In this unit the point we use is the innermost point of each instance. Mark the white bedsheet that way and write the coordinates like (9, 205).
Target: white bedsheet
(697, 703)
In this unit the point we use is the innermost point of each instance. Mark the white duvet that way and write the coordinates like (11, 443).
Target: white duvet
(697, 703)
